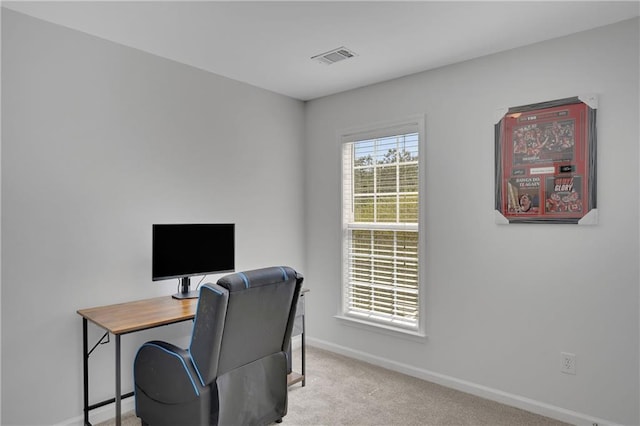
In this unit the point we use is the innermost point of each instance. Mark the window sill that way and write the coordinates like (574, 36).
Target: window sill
(414, 335)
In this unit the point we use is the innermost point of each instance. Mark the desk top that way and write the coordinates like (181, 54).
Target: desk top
(127, 317)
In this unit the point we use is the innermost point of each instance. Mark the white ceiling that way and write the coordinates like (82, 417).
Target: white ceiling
(269, 44)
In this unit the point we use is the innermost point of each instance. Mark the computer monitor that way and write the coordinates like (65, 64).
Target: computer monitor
(184, 250)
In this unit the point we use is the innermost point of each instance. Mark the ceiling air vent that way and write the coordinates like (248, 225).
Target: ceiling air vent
(335, 55)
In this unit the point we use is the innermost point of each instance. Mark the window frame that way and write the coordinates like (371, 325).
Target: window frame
(412, 124)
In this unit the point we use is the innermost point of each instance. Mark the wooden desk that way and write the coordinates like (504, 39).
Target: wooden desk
(140, 315)
(126, 318)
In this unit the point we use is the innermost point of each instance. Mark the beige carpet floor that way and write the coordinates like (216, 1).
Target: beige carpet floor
(343, 391)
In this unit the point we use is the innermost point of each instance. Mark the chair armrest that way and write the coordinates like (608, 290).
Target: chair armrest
(165, 373)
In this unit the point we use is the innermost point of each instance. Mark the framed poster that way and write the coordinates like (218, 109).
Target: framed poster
(545, 167)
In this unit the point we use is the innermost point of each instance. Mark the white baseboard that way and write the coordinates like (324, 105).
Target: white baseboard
(512, 400)
(101, 414)
(108, 411)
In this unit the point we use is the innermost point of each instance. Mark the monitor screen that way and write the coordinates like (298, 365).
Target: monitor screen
(184, 250)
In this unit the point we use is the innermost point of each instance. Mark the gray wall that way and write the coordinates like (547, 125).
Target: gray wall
(502, 301)
(99, 141)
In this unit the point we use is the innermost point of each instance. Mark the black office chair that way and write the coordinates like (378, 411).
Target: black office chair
(235, 369)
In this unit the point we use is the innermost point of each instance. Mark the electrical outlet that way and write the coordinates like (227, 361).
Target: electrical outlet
(568, 363)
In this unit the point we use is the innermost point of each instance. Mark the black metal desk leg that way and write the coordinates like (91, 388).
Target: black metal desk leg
(85, 368)
(304, 373)
(118, 377)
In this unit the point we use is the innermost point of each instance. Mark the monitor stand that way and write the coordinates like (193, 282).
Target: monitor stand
(184, 290)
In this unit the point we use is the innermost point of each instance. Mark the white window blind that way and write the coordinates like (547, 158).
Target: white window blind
(381, 232)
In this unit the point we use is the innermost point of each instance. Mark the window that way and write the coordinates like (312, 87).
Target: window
(381, 234)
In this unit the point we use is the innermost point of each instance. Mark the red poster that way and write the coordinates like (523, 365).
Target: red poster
(545, 162)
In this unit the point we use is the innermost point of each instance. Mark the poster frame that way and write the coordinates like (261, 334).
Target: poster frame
(546, 151)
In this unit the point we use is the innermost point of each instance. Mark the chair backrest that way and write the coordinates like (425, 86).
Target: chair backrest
(243, 317)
